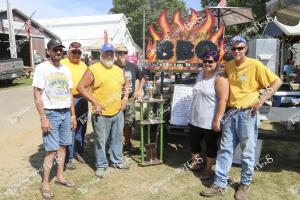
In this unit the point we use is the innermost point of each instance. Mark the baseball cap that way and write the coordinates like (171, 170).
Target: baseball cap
(75, 46)
(107, 47)
(239, 38)
(54, 43)
(121, 47)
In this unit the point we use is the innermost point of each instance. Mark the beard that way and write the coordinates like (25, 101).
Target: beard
(122, 61)
(107, 62)
(56, 58)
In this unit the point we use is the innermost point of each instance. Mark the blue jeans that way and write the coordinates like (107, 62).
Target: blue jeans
(241, 127)
(61, 133)
(81, 111)
(108, 130)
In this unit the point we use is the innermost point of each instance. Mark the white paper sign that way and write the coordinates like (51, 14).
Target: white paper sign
(180, 105)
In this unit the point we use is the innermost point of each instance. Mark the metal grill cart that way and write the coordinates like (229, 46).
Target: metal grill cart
(151, 148)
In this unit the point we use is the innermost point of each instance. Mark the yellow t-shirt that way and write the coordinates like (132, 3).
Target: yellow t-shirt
(246, 80)
(107, 87)
(77, 71)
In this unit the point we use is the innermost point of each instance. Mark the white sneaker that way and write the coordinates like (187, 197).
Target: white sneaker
(100, 172)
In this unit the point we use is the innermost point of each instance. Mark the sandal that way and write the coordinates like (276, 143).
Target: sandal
(65, 183)
(46, 191)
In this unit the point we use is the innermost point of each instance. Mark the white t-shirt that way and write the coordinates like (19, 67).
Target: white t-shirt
(56, 83)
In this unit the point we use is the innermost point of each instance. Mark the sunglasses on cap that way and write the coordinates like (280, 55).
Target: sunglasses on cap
(76, 51)
(237, 48)
(208, 61)
(121, 52)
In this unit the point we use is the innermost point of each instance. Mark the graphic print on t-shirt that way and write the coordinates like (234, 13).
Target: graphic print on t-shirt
(128, 76)
(58, 84)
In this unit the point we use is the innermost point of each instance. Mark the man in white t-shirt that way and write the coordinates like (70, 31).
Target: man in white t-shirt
(52, 84)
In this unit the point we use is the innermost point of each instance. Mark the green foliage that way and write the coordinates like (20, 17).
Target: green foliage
(134, 9)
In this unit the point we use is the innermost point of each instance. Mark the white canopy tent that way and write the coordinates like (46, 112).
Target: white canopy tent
(89, 31)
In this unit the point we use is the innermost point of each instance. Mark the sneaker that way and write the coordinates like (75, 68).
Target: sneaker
(100, 172)
(122, 165)
(242, 192)
(71, 165)
(79, 158)
(213, 190)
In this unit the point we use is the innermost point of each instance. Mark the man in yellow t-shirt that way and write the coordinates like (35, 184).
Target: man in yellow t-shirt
(106, 82)
(240, 123)
(77, 69)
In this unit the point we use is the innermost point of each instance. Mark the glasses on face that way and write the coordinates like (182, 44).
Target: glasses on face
(208, 61)
(121, 53)
(76, 52)
(237, 48)
(56, 49)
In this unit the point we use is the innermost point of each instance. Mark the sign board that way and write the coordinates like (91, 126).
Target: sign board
(181, 102)
(184, 41)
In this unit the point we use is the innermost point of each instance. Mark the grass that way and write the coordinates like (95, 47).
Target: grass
(270, 182)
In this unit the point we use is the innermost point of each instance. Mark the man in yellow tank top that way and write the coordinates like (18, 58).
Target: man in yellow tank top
(106, 82)
(240, 123)
(77, 69)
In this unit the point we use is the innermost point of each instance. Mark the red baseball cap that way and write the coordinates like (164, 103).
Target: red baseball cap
(75, 46)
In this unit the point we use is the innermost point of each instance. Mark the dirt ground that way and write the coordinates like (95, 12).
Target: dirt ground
(22, 153)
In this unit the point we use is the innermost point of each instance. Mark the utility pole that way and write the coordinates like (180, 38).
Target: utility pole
(12, 39)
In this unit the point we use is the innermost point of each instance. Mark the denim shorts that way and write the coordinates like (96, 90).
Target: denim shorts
(61, 133)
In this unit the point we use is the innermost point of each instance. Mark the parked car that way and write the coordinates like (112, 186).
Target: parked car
(10, 69)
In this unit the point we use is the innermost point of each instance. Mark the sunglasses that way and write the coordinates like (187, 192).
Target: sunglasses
(56, 49)
(208, 61)
(76, 52)
(237, 48)
(121, 52)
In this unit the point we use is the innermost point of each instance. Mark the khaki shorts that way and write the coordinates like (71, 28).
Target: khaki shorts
(129, 112)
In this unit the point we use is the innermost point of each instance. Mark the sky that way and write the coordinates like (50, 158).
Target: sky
(70, 8)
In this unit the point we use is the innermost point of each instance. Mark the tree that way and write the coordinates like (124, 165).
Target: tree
(134, 10)
(258, 10)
